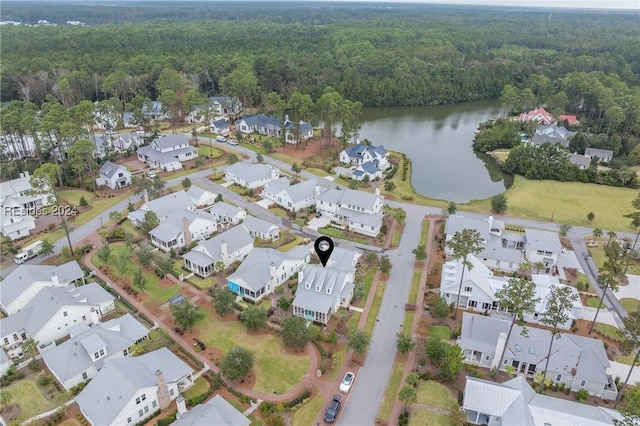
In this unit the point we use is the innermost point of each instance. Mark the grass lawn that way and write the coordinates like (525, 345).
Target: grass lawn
(334, 232)
(157, 295)
(630, 305)
(199, 387)
(391, 393)
(500, 155)
(317, 172)
(72, 196)
(435, 394)
(354, 320)
(609, 331)
(408, 322)
(279, 211)
(203, 283)
(598, 256)
(28, 396)
(626, 359)
(277, 371)
(375, 307)
(415, 285)
(593, 302)
(308, 412)
(340, 356)
(567, 202)
(440, 331)
(207, 151)
(367, 280)
(284, 158)
(404, 190)
(420, 417)
(397, 235)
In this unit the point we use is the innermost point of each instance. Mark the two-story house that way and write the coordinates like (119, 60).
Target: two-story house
(370, 161)
(552, 134)
(219, 252)
(264, 270)
(181, 227)
(261, 229)
(79, 358)
(25, 281)
(514, 402)
(291, 197)
(126, 391)
(115, 176)
(155, 110)
(49, 315)
(577, 362)
(250, 175)
(167, 152)
(544, 247)
(220, 127)
(161, 206)
(323, 290)
(18, 203)
(225, 105)
(540, 115)
(216, 411)
(357, 211)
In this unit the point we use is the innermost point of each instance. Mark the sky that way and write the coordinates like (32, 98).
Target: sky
(582, 4)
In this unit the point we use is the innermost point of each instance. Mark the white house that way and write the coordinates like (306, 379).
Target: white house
(347, 207)
(162, 206)
(155, 111)
(292, 197)
(542, 246)
(128, 390)
(115, 142)
(605, 155)
(19, 205)
(261, 229)
(577, 362)
(261, 124)
(49, 315)
(20, 189)
(227, 213)
(15, 223)
(552, 134)
(79, 358)
(265, 269)
(225, 105)
(303, 130)
(219, 252)
(479, 286)
(200, 197)
(323, 290)
(370, 161)
(167, 152)
(25, 281)
(181, 227)
(516, 403)
(216, 411)
(220, 127)
(250, 175)
(5, 362)
(114, 176)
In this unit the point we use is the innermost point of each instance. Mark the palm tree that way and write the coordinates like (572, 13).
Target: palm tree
(597, 233)
(611, 235)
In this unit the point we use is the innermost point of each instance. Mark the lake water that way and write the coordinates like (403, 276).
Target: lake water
(438, 140)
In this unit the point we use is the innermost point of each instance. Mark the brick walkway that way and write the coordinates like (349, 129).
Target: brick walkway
(411, 357)
(305, 382)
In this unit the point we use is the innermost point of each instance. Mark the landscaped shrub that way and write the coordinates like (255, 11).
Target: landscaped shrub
(78, 388)
(283, 303)
(582, 395)
(197, 399)
(167, 420)
(403, 418)
(44, 380)
(304, 395)
(20, 375)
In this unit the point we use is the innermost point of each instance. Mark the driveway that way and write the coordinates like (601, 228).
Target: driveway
(264, 203)
(318, 222)
(604, 316)
(621, 370)
(630, 291)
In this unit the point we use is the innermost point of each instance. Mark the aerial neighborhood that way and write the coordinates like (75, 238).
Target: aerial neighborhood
(216, 244)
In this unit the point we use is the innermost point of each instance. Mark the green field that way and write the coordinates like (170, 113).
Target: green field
(308, 412)
(420, 417)
(199, 387)
(441, 332)
(29, 397)
(435, 394)
(391, 393)
(630, 305)
(337, 233)
(276, 370)
(565, 202)
(609, 331)
(367, 280)
(598, 256)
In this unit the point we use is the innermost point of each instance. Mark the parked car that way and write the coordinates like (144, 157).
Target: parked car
(333, 409)
(347, 381)
(221, 138)
(151, 174)
(232, 142)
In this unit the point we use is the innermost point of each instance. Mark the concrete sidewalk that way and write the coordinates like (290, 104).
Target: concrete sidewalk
(604, 316)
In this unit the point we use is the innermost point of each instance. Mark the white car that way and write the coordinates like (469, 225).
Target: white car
(232, 142)
(221, 138)
(347, 381)
(151, 174)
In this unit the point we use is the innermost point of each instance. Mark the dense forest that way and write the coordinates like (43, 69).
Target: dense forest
(378, 55)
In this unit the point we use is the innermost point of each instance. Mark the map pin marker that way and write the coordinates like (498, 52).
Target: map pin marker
(324, 248)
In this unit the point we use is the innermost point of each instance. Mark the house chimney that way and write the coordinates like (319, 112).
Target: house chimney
(223, 250)
(300, 277)
(146, 197)
(95, 317)
(502, 341)
(378, 192)
(187, 233)
(163, 391)
(55, 280)
(272, 272)
(182, 406)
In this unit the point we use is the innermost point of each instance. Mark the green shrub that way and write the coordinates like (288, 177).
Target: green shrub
(197, 399)
(582, 395)
(34, 365)
(78, 388)
(167, 420)
(44, 380)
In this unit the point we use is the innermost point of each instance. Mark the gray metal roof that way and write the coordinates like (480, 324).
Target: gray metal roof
(250, 172)
(173, 224)
(73, 356)
(254, 272)
(165, 157)
(223, 209)
(254, 224)
(456, 223)
(164, 205)
(331, 283)
(171, 141)
(236, 238)
(374, 219)
(600, 153)
(24, 276)
(39, 310)
(107, 394)
(332, 196)
(109, 169)
(501, 253)
(217, 411)
(302, 191)
(361, 199)
(579, 160)
(481, 333)
(543, 240)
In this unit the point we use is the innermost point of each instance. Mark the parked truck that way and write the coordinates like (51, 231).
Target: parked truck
(29, 252)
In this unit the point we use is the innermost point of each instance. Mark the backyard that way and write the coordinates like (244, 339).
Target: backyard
(28, 395)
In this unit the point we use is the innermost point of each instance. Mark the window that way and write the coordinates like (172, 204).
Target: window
(15, 337)
(96, 355)
(486, 357)
(140, 413)
(101, 352)
(6, 341)
(128, 419)
(468, 289)
(65, 313)
(84, 318)
(532, 351)
(582, 383)
(146, 409)
(154, 404)
(558, 377)
(144, 396)
(84, 375)
(138, 400)
(518, 348)
(171, 392)
(125, 352)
